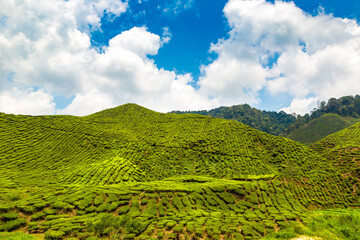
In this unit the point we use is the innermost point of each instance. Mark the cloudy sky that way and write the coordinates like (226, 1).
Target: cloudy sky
(81, 56)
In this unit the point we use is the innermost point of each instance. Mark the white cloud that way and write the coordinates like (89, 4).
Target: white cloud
(301, 106)
(88, 102)
(28, 102)
(319, 55)
(175, 7)
(124, 74)
(138, 41)
(231, 80)
(47, 45)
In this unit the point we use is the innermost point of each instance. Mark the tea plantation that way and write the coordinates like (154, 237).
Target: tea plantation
(131, 173)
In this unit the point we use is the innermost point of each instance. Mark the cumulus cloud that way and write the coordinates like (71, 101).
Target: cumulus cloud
(318, 55)
(123, 74)
(47, 45)
(301, 106)
(29, 102)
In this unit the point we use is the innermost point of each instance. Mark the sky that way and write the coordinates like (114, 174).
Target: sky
(81, 56)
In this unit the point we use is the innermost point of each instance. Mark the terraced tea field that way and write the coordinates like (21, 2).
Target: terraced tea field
(131, 173)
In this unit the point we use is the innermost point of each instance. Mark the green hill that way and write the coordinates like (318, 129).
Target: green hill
(326, 119)
(129, 172)
(321, 127)
(275, 123)
(343, 150)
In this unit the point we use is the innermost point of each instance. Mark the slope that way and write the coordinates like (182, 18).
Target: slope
(157, 145)
(199, 145)
(343, 149)
(320, 127)
(275, 123)
(132, 173)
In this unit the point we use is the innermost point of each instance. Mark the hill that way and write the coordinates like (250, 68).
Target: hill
(275, 123)
(347, 107)
(344, 106)
(321, 127)
(157, 145)
(133, 173)
(305, 129)
(342, 149)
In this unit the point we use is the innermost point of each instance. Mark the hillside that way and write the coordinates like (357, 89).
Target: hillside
(321, 127)
(275, 123)
(327, 118)
(342, 148)
(134, 173)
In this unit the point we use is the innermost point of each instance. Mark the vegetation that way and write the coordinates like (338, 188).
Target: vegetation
(344, 106)
(342, 149)
(324, 225)
(321, 127)
(326, 119)
(131, 173)
(16, 236)
(275, 123)
(347, 107)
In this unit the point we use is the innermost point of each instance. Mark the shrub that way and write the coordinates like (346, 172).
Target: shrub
(26, 209)
(103, 207)
(113, 206)
(105, 224)
(52, 217)
(62, 205)
(12, 225)
(54, 235)
(14, 197)
(99, 200)
(9, 216)
(50, 211)
(16, 236)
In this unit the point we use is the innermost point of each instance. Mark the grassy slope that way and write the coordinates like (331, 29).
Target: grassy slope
(321, 127)
(172, 175)
(343, 150)
(146, 144)
(274, 123)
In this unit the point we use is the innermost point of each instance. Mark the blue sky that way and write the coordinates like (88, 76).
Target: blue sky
(80, 56)
(193, 28)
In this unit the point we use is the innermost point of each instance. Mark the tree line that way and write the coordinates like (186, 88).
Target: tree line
(281, 123)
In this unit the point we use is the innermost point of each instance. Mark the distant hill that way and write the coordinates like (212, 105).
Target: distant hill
(132, 173)
(306, 129)
(275, 123)
(347, 106)
(321, 127)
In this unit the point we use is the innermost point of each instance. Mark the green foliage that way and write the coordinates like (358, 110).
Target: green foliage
(343, 224)
(129, 172)
(106, 224)
(327, 225)
(62, 205)
(347, 107)
(12, 224)
(16, 236)
(320, 127)
(275, 123)
(344, 106)
(330, 117)
(54, 235)
(9, 216)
